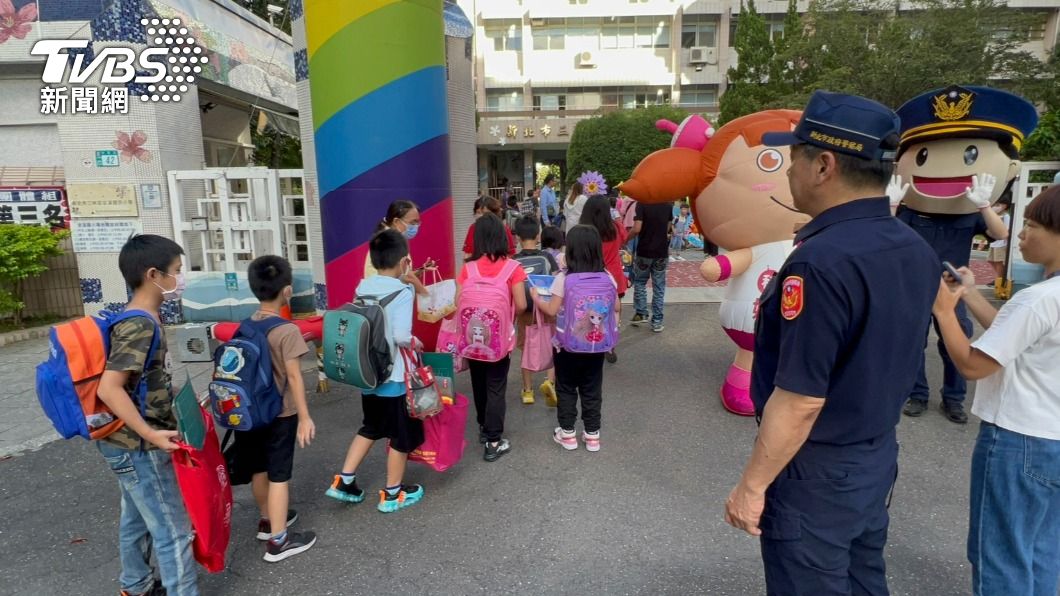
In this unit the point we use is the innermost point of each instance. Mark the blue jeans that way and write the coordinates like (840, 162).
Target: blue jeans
(954, 387)
(152, 513)
(1014, 523)
(643, 268)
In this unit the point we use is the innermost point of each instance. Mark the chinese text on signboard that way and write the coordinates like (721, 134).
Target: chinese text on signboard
(34, 206)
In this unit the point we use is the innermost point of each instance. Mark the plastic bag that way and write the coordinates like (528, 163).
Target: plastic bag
(204, 484)
(440, 301)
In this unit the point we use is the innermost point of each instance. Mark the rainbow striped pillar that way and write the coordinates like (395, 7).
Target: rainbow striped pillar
(377, 82)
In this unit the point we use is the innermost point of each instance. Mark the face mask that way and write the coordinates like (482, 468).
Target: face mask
(177, 291)
(411, 230)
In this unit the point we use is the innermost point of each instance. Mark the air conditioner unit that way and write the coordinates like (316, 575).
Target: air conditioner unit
(703, 55)
(585, 60)
(194, 344)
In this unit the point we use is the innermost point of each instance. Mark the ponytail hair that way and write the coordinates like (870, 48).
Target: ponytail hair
(394, 212)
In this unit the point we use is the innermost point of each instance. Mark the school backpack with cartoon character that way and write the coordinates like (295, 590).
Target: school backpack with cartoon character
(68, 381)
(356, 349)
(486, 315)
(243, 392)
(586, 321)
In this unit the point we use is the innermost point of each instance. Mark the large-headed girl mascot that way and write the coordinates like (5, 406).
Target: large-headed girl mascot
(741, 202)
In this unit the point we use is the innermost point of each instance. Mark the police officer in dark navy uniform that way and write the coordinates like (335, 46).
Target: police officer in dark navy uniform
(837, 347)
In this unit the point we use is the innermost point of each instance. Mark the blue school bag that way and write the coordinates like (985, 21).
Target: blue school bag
(243, 393)
(586, 321)
(68, 381)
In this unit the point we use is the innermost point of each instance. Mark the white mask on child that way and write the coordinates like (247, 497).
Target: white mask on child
(178, 289)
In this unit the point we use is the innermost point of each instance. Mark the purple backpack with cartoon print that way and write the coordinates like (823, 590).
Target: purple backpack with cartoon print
(587, 322)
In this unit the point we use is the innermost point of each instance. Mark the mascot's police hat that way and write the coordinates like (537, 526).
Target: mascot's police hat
(967, 112)
(845, 124)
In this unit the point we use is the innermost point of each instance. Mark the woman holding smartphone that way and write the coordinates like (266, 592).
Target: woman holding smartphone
(1014, 523)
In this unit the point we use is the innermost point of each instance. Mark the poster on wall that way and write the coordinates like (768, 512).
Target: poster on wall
(37, 205)
(103, 235)
(102, 200)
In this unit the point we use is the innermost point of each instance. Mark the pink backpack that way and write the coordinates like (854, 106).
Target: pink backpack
(486, 315)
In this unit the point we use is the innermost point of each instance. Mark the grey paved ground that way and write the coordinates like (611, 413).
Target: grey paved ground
(642, 516)
(23, 425)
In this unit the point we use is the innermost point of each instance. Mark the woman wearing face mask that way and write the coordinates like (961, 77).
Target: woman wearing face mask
(404, 217)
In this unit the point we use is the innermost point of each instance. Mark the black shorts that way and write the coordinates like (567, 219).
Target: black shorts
(388, 418)
(269, 449)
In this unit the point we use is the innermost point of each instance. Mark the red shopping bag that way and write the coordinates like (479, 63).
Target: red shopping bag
(207, 494)
(443, 443)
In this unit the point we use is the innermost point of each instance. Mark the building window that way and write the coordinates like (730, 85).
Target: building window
(506, 35)
(580, 98)
(775, 26)
(699, 96)
(634, 97)
(620, 33)
(583, 34)
(549, 100)
(550, 35)
(504, 100)
(699, 30)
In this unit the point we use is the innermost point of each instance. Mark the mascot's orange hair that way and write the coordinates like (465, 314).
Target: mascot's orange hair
(678, 172)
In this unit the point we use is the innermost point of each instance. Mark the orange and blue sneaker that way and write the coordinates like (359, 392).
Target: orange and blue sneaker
(347, 493)
(406, 496)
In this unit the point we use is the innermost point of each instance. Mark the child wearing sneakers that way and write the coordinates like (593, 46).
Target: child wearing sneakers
(535, 262)
(268, 453)
(152, 509)
(489, 354)
(580, 374)
(385, 413)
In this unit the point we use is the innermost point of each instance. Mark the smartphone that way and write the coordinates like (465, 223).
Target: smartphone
(952, 271)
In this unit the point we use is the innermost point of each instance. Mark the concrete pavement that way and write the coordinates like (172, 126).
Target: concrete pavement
(642, 516)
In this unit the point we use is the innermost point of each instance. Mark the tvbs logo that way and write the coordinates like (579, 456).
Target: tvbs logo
(166, 67)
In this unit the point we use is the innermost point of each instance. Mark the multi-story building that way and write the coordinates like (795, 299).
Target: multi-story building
(543, 65)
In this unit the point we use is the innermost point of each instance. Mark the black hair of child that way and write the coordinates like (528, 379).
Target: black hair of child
(553, 237)
(268, 276)
(490, 239)
(143, 253)
(387, 248)
(597, 213)
(527, 228)
(585, 250)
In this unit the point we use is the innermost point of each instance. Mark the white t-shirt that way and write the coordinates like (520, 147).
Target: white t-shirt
(1024, 396)
(739, 309)
(1006, 218)
(573, 213)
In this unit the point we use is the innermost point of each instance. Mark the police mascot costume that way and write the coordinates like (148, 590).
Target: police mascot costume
(740, 201)
(959, 153)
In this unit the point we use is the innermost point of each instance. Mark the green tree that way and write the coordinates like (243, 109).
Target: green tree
(745, 92)
(614, 143)
(261, 8)
(884, 50)
(275, 150)
(23, 250)
(1044, 143)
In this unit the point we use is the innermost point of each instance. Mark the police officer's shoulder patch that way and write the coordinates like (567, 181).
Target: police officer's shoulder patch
(791, 297)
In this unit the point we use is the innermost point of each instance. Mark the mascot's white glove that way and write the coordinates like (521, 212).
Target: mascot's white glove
(981, 191)
(896, 190)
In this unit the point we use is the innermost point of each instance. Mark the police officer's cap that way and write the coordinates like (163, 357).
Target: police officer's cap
(967, 112)
(845, 124)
